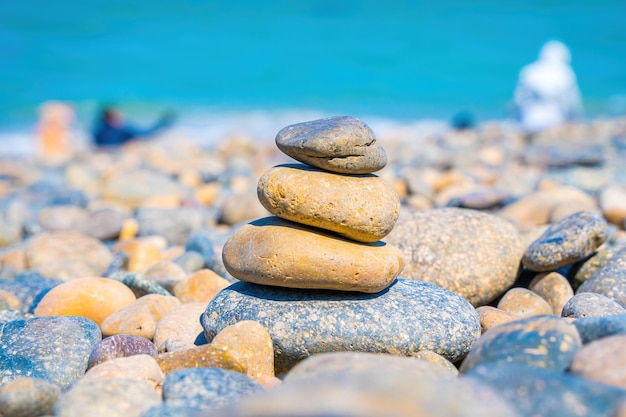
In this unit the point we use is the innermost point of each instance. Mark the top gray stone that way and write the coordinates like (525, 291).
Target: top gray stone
(340, 144)
(567, 241)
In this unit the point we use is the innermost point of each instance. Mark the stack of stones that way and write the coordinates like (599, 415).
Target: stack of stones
(331, 213)
(316, 274)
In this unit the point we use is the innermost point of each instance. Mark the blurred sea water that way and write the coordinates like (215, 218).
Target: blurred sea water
(273, 61)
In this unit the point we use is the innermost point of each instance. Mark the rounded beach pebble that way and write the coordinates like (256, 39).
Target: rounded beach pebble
(544, 341)
(408, 317)
(340, 144)
(473, 254)
(589, 304)
(25, 397)
(93, 297)
(602, 361)
(610, 280)
(52, 348)
(363, 208)
(277, 252)
(119, 346)
(567, 241)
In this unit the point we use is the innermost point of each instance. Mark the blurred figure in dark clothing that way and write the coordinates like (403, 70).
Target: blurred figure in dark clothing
(112, 130)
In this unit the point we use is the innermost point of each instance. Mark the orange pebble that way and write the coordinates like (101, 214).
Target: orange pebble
(94, 298)
(207, 193)
(202, 286)
(129, 229)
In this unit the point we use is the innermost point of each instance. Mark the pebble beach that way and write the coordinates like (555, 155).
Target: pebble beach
(339, 267)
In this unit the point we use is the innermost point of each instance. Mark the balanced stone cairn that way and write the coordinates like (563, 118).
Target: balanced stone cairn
(329, 214)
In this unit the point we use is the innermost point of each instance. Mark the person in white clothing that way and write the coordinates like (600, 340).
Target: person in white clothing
(547, 93)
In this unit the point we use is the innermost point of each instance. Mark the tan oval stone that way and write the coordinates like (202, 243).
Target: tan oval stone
(179, 328)
(94, 298)
(138, 367)
(67, 255)
(205, 356)
(491, 317)
(554, 288)
(140, 317)
(363, 208)
(524, 303)
(200, 286)
(273, 251)
(252, 344)
(142, 254)
(603, 360)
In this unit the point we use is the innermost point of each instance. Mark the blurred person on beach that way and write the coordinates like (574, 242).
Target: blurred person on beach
(54, 131)
(111, 128)
(547, 93)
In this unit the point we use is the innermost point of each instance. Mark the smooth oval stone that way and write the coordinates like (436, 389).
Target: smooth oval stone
(179, 328)
(140, 317)
(252, 344)
(435, 358)
(588, 304)
(201, 286)
(363, 208)
(175, 223)
(547, 392)
(104, 224)
(139, 283)
(567, 241)
(584, 269)
(376, 386)
(554, 288)
(613, 203)
(119, 346)
(207, 388)
(341, 144)
(107, 398)
(52, 348)
(28, 397)
(204, 356)
(524, 303)
(62, 218)
(603, 361)
(538, 341)
(273, 251)
(592, 328)
(191, 261)
(492, 316)
(141, 254)
(166, 273)
(408, 317)
(610, 280)
(67, 255)
(94, 298)
(140, 367)
(473, 254)
(534, 209)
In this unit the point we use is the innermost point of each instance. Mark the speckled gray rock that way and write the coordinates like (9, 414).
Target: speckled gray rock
(567, 241)
(104, 224)
(340, 144)
(589, 304)
(190, 261)
(9, 315)
(592, 328)
(546, 392)
(207, 388)
(360, 207)
(544, 341)
(28, 287)
(107, 398)
(373, 390)
(119, 346)
(407, 317)
(584, 269)
(28, 397)
(52, 348)
(602, 360)
(473, 254)
(610, 280)
(139, 283)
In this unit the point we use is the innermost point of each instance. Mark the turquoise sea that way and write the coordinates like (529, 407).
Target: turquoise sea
(394, 59)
